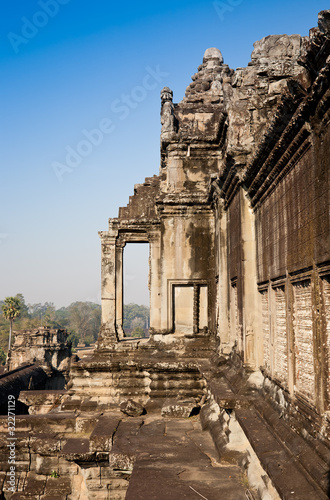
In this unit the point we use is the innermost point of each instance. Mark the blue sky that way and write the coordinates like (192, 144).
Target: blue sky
(74, 70)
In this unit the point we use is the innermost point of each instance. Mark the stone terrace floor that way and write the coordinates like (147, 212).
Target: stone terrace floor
(177, 460)
(171, 458)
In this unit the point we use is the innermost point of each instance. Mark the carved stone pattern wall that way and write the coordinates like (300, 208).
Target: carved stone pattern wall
(281, 337)
(237, 325)
(265, 328)
(234, 237)
(326, 298)
(303, 333)
(285, 223)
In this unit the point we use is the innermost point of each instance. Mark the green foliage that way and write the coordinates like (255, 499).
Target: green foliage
(88, 341)
(81, 319)
(4, 334)
(11, 308)
(136, 318)
(74, 339)
(24, 310)
(132, 311)
(138, 323)
(85, 320)
(54, 474)
(63, 317)
(138, 332)
(2, 356)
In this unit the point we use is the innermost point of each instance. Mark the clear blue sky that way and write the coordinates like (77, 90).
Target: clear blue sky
(72, 66)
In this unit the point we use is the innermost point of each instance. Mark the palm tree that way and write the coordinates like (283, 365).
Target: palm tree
(11, 308)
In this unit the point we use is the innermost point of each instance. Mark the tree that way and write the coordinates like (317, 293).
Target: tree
(88, 341)
(138, 332)
(24, 310)
(137, 323)
(62, 318)
(85, 319)
(49, 316)
(133, 311)
(74, 339)
(43, 314)
(81, 319)
(2, 356)
(11, 309)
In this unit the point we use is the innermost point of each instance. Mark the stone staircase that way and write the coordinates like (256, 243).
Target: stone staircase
(142, 371)
(95, 451)
(63, 456)
(299, 469)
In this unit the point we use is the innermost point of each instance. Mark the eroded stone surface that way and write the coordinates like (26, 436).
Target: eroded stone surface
(239, 232)
(39, 359)
(132, 408)
(183, 408)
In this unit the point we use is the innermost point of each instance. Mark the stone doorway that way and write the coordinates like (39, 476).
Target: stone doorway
(183, 310)
(189, 307)
(136, 287)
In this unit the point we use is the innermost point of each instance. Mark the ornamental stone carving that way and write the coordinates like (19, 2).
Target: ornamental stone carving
(166, 115)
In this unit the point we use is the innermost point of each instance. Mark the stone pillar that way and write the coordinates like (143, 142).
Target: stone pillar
(223, 284)
(221, 271)
(155, 280)
(252, 307)
(108, 289)
(196, 309)
(119, 290)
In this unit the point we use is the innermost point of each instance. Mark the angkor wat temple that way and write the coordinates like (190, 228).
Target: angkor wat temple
(229, 397)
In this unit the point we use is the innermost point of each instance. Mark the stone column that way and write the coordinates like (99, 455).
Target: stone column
(196, 310)
(155, 280)
(108, 289)
(119, 289)
(252, 307)
(221, 270)
(223, 285)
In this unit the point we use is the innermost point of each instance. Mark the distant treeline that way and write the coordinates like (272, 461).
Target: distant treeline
(81, 319)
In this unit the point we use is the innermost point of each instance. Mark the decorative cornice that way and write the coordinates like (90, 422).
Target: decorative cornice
(281, 149)
(272, 172)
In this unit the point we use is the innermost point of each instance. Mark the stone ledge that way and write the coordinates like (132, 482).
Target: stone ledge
(102, 435)
(281, 451)
(315, 461)
(276, 461)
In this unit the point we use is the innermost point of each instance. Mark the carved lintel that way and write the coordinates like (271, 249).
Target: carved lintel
(120, 242)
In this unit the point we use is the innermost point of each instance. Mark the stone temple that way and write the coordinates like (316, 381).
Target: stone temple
(229, 397)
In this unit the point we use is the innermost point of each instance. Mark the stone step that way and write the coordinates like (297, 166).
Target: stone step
(102, 435)
(313, 457)
(164, 394)
(147, 378)
(225, 397)
(53, 422)
(176, 460)
(281, 451)
(122, 455)
(282, 466)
